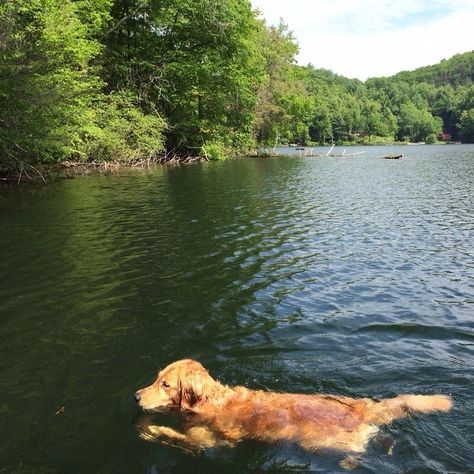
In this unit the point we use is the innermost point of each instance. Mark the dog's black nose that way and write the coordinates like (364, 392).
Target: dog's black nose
(137, 397)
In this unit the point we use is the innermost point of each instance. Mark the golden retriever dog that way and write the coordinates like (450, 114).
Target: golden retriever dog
(222, 415)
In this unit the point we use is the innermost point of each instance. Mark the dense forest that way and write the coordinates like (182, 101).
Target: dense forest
(127, 80)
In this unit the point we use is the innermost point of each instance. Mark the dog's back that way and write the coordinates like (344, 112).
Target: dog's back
(314, 421)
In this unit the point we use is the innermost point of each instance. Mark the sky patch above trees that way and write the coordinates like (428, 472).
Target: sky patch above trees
(371, 38)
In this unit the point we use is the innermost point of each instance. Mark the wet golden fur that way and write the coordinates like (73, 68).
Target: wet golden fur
(226, 415)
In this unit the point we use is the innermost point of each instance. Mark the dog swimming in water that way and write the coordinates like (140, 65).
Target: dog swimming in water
(222, 415)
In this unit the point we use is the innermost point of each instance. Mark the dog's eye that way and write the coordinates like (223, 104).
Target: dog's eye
(165, 385)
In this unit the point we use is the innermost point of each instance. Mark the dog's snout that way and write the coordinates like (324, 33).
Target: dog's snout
(137, 397)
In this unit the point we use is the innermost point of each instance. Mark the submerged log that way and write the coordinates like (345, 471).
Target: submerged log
(392, 157)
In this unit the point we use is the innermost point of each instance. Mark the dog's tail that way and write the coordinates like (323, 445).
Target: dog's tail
(403, 405)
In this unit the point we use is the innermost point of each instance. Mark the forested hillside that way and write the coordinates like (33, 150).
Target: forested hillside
(434, 103)
(445, 91)
(131, 79)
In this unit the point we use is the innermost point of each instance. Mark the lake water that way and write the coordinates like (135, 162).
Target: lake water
(352, 276)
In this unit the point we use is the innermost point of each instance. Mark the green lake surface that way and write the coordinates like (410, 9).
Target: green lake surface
(352, 276)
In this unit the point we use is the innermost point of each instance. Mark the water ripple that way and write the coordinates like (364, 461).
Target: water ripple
(350, 276)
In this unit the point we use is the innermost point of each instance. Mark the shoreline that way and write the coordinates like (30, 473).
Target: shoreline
(68, 169)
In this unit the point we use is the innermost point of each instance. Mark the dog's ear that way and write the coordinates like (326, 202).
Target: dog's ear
(193, 388)
(192, 396)
(186, 396)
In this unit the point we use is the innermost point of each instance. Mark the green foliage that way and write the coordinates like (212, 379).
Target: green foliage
(374, 119)
(455, 72)
(47, 83)
(125, 79)
(417, 124)
(197, 61)
(121, 131)
(442, 91)
(408, 106)
(214, 152)
(373, 140)
(466, 126)
(282, 101)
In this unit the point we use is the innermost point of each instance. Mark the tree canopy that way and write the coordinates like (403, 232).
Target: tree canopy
(130, 79)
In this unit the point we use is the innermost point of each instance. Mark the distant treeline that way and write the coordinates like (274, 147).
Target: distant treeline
(132, 79)
(430, 104)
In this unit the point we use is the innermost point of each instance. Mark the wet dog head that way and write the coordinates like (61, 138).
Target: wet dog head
(181, 384)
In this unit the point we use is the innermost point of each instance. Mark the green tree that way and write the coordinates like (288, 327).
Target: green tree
(51, 93)
(415, 124)
(195, 61)
(47, 84)
(374, 119)
(281, 109)
(466, 126)
(320, 129)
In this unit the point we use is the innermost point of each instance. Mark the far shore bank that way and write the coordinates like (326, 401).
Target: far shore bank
(68, 169)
